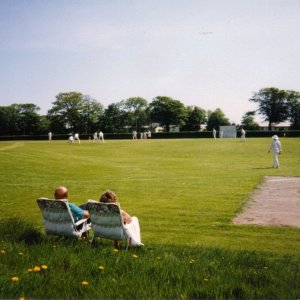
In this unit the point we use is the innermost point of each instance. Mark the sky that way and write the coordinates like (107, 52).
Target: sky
(207, 53)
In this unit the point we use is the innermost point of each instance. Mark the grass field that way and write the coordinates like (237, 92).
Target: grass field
(185, 193)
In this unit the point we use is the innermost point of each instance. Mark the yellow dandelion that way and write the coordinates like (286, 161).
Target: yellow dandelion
(36, 269)
(84, 282)
(134, 256)
(15, 278)
(21, 253)
(158, 258)
(191, 261)
(101, 268)
(44, 267)
(30, 270)
(205, 279)
(2, 251)
(22, 298)
(116, 250)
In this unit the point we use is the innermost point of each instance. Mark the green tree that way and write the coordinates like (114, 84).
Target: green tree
(216, 118)
(27, 118)
(196, 116)
(167, 111)
(92, 111)
(136, 109)
(8, 120)
(114, 119)
(248, 121)
(272, 104)
(66, 113)
(294, 109)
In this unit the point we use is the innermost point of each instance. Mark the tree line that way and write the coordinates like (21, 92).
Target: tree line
(75, 112)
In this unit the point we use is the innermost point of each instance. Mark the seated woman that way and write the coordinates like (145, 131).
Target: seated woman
(131, 224)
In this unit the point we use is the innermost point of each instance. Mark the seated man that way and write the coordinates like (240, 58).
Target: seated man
(78, 213)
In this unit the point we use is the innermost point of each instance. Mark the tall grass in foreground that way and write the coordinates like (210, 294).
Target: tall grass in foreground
(33, 267)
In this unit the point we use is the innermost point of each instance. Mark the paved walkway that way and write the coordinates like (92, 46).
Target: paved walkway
(275, 203)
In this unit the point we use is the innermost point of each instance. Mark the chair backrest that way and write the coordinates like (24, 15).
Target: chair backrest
(57, 217)
(106, 219)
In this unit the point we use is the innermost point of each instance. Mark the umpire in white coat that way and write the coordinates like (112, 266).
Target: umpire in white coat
(276, 148)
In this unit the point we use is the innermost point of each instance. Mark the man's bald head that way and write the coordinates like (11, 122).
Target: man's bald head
(61, 192)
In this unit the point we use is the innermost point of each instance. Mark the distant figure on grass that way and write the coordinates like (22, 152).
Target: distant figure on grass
(71, 139)
(243, 135)
(131, 223)
(101, 136)
(149, 134)
(50, 136)
(78, 212)
(95, 137)
(214, 133)
(76, 137)
(276, 148)
(134, 135)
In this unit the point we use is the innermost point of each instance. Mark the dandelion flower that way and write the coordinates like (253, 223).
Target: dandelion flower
(191, 261)
(21, 253)
(84, 282)
(22, 298)
(15, 278)
(158, 257)
(36, 269)
(30, 270)
(205, 279)
(44, 267)
(101, 268)
(134, 256)
(2, 251)
(116, 250)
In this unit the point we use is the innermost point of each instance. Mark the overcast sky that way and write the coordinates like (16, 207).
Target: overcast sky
(209, 53)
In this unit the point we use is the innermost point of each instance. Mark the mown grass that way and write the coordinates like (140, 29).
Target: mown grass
(185, 193)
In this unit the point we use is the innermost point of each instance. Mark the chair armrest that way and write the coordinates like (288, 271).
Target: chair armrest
(81, 222)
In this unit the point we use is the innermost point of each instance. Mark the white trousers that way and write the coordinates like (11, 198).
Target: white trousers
(133, 231)
(275, 159)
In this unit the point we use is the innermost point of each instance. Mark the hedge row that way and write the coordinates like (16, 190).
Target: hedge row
(161, 135)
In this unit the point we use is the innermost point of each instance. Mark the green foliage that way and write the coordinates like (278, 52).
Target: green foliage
(272, 104)
(196, 116)
(216, 118)
(248, 122)
(167, 111)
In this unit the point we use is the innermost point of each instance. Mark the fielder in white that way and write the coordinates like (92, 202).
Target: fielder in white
(95, 137)
(101, 136)
(214, 133)
(276, 148)
(243, 135)
(76, 137)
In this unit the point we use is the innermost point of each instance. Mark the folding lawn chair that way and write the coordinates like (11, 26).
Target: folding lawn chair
(58, 219)
(107, 222)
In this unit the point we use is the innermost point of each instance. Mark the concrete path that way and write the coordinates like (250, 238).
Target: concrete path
(275, 203)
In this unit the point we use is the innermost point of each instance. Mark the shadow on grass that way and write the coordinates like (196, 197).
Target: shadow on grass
(15, 230)
(263, 168)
